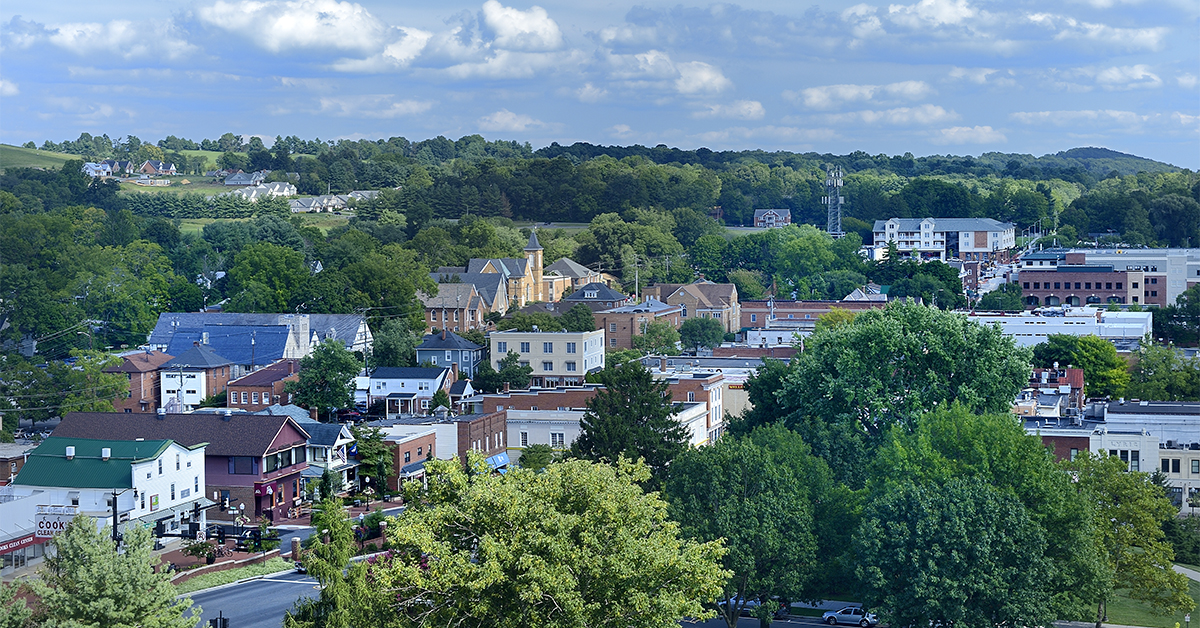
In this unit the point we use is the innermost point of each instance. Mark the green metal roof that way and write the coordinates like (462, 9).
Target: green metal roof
(48, 465)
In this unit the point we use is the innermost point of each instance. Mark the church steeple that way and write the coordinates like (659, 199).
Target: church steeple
(533, 245)
(533, 253)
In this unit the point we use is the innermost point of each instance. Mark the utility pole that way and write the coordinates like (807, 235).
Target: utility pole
(116, 537)
(833, 199)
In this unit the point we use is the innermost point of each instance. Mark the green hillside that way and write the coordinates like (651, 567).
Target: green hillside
(17, 157)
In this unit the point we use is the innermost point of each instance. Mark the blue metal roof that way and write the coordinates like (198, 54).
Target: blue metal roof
(233, 342)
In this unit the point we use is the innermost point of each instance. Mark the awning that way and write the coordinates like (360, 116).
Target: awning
(499, 460)
(412, 469)
(170, 512)
(402, 396)
(316, 472)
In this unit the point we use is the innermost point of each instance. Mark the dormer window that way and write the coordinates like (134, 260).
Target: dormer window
(590, 294)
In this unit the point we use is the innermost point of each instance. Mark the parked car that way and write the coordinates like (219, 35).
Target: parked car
(752, 604)
(850, 615)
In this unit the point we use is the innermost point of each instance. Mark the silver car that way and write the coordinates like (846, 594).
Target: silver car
(850, 615)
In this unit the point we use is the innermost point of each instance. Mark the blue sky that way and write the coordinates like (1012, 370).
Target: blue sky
(926, 77)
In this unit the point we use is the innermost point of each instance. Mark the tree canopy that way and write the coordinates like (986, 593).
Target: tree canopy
(1104, 372)
(701, 332)
(326, 379)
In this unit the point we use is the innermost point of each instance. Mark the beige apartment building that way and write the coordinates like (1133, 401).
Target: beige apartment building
(558, 358)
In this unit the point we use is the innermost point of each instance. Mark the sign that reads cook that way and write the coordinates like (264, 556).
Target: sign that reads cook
(51, 525)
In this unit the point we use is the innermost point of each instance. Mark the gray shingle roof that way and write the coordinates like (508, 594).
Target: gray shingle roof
(568, 268)
(452, 341)
(603, 293)
(345, 326)
(198, 357)
(947, 224)
(234, 342)
(406, 372)
(487, 284)
(241, 435)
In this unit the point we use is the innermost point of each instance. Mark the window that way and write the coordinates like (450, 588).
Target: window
(547, 347)
(172, 491)
(1154, 293)
(524, 362)
(557, 440)
(1036, 285)
(691, 396)
(254, 397)
(424, 404)
(612, 342)
(570, 367)
(547, 366)
(243, 465)
(524, 439)
(1056, 285)
(160, 466)
(1118, 285)
(612, 328)
(1108, 285)
(1154, 280)
(449, 356)
(245, 396)
(1026, 285)
(754, 318)
(1196, 466)
(419, 450)
(456, 316)
(143, 501)
(1134, 284)
(1076, 285)
(524, 347)
(1166, 465)
(570, 347)
(407, 456)
(1087, 285)
(1074, 453)
(196, 483)
(502, 347)
(1135, 460)
(1174, 465)
(176, 462)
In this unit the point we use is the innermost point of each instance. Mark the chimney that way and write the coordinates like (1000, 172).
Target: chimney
(505, 387)
(453, 372)
(162, 413)
(70, 452)
(443, 334)
(105, 453)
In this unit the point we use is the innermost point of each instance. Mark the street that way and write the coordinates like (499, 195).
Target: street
(258, 603)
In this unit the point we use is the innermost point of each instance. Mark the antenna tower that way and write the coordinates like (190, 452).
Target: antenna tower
(833, 199)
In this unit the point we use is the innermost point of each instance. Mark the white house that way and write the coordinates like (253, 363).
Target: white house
(1029, 329)
(407, 390)
(152, 481)
(945, 238)
(101, 169)
(560, 428)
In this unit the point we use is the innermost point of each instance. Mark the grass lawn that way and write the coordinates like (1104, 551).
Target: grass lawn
(1128, 612)
(217, 578)
(17, 157)
(196, 184)
(324, 221)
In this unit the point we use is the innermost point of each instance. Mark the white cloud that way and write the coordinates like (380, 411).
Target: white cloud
(506, 64)
(769, 132)
(1062, 118)
(1128, 77)
(697, 77)
(373, 106)
(975, 75)
(590, 93)
(8, 88)
(398, 54)
(1069, 28)
(968, 135)
(738, 109)
(122, 38)
(900, 116)
(834, 96)
(931, 12)
(279, 26)
(623, 131)
(1186, 81)
(531, 30)
(863, 21)
(628, 34)
(507, 121)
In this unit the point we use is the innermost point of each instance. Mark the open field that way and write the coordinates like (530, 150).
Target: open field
(324, 222)
(1128, 612)
(17, 157)
(196, 183)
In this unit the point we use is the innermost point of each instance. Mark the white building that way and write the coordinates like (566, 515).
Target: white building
(151, 481)
(408, 390)
(560, 428)
(945, 238)
(558, 358)
(1032, 328)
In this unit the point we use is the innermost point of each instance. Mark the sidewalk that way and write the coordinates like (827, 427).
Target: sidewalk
(1190, 573)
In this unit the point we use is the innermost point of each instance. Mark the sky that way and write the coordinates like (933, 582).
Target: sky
(926, 77)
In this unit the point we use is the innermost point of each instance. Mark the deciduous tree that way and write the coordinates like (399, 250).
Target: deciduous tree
(87, 582)
(1104, 372)
(658, 338)
(701, 332)
(578, 319)
(590, 549)
(326, 380)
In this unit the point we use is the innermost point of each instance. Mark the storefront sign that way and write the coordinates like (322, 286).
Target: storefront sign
(8, 547)
(50, 525)
(266, 489)
(153, 503)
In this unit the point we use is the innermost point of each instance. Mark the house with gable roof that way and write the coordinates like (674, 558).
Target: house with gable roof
(457, 307)
(305, 331)
(596, 296)
(197, 373)
(520, 279)
(450, 349)
(771, 218)
(141, 368)
(703, 299)
(407, 390)
(255, 460)
(577, 273)
(154, 166)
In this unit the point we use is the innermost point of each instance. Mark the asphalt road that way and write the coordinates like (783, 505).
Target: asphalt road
(750, 622)
(257, 603)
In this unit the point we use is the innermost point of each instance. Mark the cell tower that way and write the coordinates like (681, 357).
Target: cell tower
(834, 199)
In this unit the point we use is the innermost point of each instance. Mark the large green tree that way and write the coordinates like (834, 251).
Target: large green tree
(631, 417)
(87, 582)
(962, 554)
(1163, 374)
(954, 443)
(1129, 511)
(1104, 372)
(264, 276)
(326, 380)
(889, 367)
(761, 494)
(343, 583)
(578, 319)
(701, 332)
(658, 338)
(395, 344)
(579, 544)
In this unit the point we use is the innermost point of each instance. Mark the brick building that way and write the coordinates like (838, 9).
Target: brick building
(264, 387)
(702, 299)
(457, 307)
(142, 370)
(409, 453)
(454, 436)
(1074, 282)
(801, 315)
(621, 324)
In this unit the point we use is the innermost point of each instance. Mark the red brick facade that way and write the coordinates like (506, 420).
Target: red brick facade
(487, 434)
(407, 451)
(620, 327)
(758, 313)
(263, 387)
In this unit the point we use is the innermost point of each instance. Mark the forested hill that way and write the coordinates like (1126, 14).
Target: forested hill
(1098, 162)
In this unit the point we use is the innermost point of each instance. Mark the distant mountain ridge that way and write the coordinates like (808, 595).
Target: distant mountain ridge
(1098, 161)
